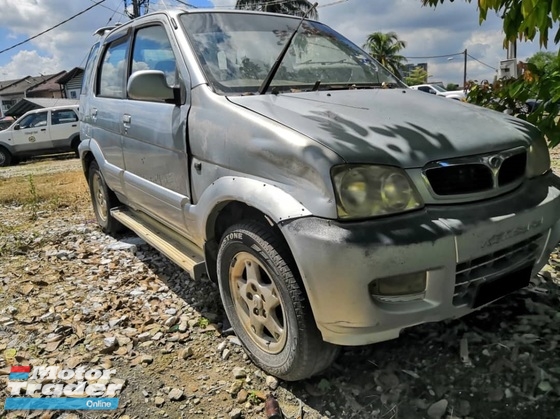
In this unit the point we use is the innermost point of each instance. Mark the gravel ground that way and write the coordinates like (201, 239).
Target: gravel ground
(74, 296)
(56, 164)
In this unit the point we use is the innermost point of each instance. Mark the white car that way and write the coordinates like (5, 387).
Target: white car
(40, 132)
(437, 90)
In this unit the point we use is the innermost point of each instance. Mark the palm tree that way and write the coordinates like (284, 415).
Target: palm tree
(385, 48)
(291, 7)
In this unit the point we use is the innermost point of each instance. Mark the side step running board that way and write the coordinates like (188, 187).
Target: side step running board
(180, 250)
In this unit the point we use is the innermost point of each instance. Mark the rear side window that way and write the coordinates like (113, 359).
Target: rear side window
(63, 116)
(113, 70)
(152, 51)
(86, 83)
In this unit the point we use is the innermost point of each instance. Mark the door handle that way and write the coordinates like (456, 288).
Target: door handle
(74, 125)
(43, 129)
(94, 114)
(126, 118)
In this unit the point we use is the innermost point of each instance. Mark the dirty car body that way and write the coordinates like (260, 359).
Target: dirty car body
(377, 206)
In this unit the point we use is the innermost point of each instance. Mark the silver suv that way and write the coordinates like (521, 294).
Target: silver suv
(331, 204)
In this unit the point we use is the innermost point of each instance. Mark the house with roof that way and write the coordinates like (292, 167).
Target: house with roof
(36, 86)
(5, 104)
(71, 83)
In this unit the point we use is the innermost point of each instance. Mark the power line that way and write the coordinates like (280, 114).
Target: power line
(115, 11)
(487, 65)
(187, 4)
(451, 55)
(436, 56)
(51, 28)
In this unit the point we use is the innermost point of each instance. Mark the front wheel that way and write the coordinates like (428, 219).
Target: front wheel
(5, 157)
(266, 304)
(103, 199)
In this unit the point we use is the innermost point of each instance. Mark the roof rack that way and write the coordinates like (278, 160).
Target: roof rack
(104, 29)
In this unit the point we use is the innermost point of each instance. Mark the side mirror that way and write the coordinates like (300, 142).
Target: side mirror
(151, 85)
(17, 127)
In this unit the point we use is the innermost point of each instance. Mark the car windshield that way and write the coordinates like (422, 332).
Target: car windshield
(236, 52)
(439, 88)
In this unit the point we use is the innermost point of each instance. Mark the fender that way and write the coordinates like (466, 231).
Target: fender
(277, 204)
(7, 147)
(113, 175)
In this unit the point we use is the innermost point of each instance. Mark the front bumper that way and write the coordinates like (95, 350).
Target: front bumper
(338, 260)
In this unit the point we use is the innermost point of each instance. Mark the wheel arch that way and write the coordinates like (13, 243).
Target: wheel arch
(75, 141)
(7, 147)
(224, 215)
(231, 199)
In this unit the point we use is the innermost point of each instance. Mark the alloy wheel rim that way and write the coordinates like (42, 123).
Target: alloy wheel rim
(257, 303)
(99, 195)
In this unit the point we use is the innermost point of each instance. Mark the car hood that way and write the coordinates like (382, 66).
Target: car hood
(400, 127)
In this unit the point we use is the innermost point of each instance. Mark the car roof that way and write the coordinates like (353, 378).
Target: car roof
(53, 108)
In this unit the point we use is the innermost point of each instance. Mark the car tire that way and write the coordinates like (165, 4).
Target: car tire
(5, 157)
(266, 303)
(74, 146)
(103, 199)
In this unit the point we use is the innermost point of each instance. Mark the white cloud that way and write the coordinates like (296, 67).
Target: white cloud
(451, 27)
(29, 63)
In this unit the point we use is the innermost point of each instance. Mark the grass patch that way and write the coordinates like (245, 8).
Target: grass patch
(59, 189)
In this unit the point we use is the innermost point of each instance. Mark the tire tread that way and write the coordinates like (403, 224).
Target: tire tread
(317, 355)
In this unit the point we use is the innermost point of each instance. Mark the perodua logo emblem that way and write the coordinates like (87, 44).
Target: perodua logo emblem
(495, 161)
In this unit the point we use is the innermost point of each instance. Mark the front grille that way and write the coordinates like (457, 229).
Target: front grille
(460, 179)
(476, 174)
(512, 169)
(470, 274)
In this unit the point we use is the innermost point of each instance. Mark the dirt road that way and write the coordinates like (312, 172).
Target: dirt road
(72, 296)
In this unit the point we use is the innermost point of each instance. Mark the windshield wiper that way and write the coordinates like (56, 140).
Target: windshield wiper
(274, 69)
(348, 86)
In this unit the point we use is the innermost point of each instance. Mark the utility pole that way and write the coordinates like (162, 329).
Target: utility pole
(465, 71)
(512, 55)
(137, 7)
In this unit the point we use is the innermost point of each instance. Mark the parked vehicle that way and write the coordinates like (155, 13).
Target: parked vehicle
(6, 122)
(331, 204)
(40, 132)
(437, 90)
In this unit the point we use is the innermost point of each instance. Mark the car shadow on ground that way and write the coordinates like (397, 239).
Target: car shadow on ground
(496, 362)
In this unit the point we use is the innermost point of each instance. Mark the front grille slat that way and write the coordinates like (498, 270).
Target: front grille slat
(478, 174)
(512, 169)
(470, 274)
(460, 179)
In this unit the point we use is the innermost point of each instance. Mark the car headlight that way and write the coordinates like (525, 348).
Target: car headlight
(368, 191)
(538, 161)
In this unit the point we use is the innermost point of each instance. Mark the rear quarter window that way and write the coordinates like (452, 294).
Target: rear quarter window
(112, 72)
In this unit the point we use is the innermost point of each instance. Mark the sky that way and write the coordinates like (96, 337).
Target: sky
(446, 30)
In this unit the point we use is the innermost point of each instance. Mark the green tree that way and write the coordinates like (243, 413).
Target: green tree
(522, 18)
(544, 60)
(452, 86)
(417, 76)
(292, 7)
(385, 48)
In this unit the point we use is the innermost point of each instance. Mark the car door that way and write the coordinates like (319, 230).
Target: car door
(154, 139)
(103, 110)
(31, 134)
(64, 123)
